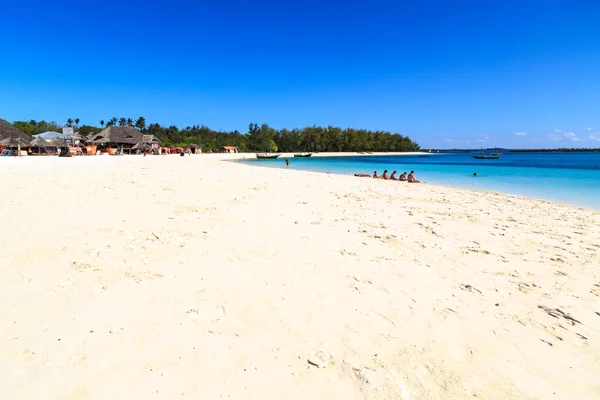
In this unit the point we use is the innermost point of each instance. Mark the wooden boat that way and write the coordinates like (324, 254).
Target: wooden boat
(302, 154)
(488, 157)
(267, 156)
(483, 156)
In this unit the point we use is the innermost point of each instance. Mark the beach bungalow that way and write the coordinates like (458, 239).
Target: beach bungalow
(229, 149)
(121, 138)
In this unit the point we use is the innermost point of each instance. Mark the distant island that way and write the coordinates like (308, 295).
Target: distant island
(257, 139)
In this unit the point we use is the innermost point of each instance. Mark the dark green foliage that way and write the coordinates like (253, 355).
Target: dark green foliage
(34, 127)
(258, 138)
(85, 130)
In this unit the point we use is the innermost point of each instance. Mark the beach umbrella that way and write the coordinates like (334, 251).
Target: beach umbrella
(40, 142)
(57, 142)
(14, 142)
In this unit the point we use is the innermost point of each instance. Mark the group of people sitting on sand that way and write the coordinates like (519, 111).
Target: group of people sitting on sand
(403, 177)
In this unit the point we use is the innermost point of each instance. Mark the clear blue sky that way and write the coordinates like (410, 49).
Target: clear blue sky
(446, 73)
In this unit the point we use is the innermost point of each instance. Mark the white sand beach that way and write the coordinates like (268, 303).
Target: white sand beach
(171, 277)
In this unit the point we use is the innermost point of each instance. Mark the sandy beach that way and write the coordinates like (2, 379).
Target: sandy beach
(190, 277)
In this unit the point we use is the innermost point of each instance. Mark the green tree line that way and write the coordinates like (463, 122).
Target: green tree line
(257, 138)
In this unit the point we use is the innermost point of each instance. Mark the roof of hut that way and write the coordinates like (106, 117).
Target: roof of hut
(117, 135)
(49, 135)
(141, 146)
(150, 139)
(9, 131)
(14, 142)
(40, 142)
(57, 142)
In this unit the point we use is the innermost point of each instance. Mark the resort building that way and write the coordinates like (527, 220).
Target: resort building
(122, 138)
(229, 149)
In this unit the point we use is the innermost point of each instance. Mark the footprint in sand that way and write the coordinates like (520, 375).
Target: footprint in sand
(83, 267)
(201, 310)
(141, 276)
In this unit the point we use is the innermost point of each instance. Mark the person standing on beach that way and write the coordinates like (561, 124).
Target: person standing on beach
(287, 162)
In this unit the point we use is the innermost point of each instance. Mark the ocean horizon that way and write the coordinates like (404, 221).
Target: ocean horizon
(566, 177)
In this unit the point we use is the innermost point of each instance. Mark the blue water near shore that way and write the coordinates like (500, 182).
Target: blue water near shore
(565, 177)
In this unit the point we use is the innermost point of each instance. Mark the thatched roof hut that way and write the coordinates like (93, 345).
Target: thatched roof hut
(150, 139)
(146, 143)
(57, 142)
(142, 146)
(14, 142)
(40, 142)
(229, 149)
(8, 131)
(117, 135)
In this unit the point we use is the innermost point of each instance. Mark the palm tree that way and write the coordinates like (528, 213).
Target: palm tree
(69, 121)
(102, 123)
(129, 122)
(122, 121)
(140, 123)
(112, 121)
(76, 122)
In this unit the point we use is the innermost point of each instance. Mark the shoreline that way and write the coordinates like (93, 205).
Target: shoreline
(243, 156)
(474, 190)
(235, 157)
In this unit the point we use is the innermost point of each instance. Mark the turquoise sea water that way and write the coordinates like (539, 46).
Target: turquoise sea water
(565, 177)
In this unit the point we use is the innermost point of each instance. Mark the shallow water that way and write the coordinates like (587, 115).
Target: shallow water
(565, 177)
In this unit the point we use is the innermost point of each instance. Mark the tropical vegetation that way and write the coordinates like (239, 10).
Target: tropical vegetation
(258, 137)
